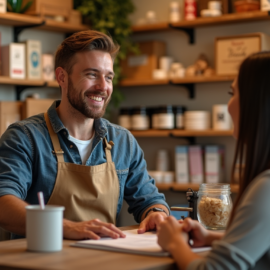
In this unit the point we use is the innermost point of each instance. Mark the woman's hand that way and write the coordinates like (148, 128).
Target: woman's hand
(199, 235)
(170, 234)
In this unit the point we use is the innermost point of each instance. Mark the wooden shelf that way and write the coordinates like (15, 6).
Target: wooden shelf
(52, 84)
(14, 19)
(10, 81)
(184, 187)
(180, 133)
(129, 82)
(206, 21)
(63, 27)
(186, 80)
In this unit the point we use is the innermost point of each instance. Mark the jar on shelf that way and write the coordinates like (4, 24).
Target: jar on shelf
(165, 117)
(139, 118)
(154, 117)
(124, 118)
(214, 205)
(179, 116)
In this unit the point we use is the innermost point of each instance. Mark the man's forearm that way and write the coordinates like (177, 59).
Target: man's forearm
(155, 205)
(13, 214)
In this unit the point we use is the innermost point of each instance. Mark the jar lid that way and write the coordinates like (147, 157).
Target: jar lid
(214, 188)
(139, 110)
(179, 109)
(165, 109)
(124, 111)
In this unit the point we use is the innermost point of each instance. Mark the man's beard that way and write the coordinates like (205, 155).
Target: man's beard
(81, 104)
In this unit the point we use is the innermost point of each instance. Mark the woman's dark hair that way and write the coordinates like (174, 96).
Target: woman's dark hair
(253, 144)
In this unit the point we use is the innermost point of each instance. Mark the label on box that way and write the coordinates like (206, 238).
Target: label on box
(138, 60)
(231, 52)
(17, 61)
(181, 164)
(33, 51)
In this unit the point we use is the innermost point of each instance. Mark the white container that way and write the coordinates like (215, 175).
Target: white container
(197, 120)
(3, 6)
(175, 15)
(265, 5)
(166, 121)
(221, 118)
(168, 177)
(157, 175)
(44, 228)
(139, 122)
(165, 63)
(159, 74)
(215, 5)
(124, 121)
(162, 161)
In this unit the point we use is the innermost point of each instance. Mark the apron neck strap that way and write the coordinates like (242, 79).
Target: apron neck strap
(108, 146)
(55, 141)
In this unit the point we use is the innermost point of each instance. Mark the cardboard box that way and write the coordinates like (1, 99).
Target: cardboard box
(196, 164)
(231, 51)
(13, 60)
(10, 112)
(50, 8)
(33, 59)
(139, 67)
(33, 106)
(48, 67)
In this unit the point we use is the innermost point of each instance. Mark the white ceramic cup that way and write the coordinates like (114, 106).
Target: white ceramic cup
(221, 117)
(44, 228)
(165, 63)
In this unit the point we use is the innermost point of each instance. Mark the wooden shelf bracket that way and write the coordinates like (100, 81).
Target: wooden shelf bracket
(189, 86)
(21, 88)
(18, 29)
(189, 31)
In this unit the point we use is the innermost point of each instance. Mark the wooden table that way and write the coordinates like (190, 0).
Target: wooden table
(14, 256)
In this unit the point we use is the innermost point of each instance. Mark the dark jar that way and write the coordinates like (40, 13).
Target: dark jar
(124, 118)
(139, 118)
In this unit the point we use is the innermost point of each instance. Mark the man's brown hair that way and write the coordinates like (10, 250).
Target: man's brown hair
(81, 42)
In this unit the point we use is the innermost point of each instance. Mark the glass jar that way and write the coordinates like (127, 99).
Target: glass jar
(214, 205)
(165, 117)
(179, 116)
(124, 118)
(139, 119)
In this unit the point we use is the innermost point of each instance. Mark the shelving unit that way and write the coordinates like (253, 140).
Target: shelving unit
(184, 187)
(206, 21)
(180, 133)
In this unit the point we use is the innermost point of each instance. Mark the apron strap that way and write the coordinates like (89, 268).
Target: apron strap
(108, 147)
(55, 141)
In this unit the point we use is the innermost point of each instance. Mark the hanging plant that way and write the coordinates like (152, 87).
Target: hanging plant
(16, 6)
(111, 17)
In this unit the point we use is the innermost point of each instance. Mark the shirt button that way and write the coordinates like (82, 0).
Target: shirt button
(65, 133)
(71, 146)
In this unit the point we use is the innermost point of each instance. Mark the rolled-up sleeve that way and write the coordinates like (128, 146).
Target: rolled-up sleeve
(15, 162)
(246, 244)
(140, 190)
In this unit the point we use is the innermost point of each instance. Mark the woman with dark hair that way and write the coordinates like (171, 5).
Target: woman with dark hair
(246, 242)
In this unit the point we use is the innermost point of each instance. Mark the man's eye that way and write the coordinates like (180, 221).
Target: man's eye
(110, 78)
(91, 74)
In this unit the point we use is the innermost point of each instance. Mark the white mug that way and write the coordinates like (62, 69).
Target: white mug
(44, 228)
(165, 63)
(221, 117)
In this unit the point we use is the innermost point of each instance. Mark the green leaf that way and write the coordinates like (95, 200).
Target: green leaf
(26, 6)
(18, 6)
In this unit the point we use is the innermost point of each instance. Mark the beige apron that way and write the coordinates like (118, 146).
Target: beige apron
(85, 192)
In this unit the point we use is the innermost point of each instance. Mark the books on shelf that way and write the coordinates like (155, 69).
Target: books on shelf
(195, 164)
(181, 164)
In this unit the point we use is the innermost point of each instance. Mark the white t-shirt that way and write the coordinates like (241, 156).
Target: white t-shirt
(84, 147)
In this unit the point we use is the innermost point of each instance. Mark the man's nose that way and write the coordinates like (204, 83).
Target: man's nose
(101, 83)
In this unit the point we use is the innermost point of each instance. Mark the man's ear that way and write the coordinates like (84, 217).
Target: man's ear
(62, 78)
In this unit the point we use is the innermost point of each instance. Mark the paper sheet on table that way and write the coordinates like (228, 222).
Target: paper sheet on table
(144, 244)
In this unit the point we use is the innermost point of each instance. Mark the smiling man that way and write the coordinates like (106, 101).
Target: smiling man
(78, 159)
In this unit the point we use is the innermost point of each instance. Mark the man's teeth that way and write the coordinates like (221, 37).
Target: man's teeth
(96, 98)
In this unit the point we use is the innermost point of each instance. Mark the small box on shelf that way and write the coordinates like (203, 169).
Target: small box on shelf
(13, 60)
(140, 67)
(48, 67)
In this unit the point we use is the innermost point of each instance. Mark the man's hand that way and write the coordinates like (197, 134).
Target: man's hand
(151, 222)
(92, 229)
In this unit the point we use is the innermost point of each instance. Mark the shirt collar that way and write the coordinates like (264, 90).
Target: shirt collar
(57, 125)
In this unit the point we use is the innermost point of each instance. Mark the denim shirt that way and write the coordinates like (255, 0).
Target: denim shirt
(28, 166)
